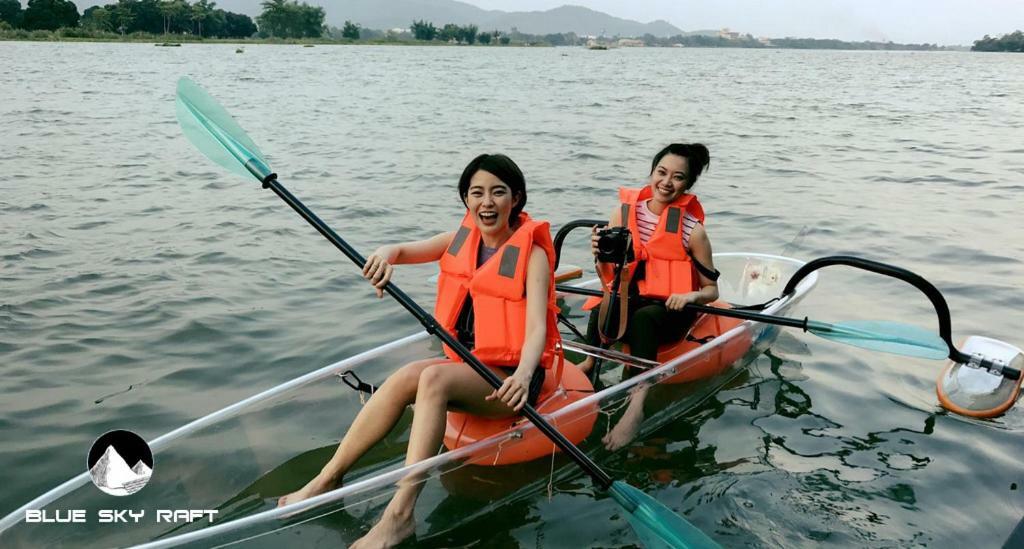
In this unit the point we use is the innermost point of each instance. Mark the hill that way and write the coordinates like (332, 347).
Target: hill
(377, 14)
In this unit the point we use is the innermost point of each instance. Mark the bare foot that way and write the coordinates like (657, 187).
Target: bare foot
(393, 528)
(624, 431)
(586, 365)
(314, 487)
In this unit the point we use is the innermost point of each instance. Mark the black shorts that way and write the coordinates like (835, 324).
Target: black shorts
(536, 383)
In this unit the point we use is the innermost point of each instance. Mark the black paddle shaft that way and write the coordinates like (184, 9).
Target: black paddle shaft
(432, 327)
(733, 313)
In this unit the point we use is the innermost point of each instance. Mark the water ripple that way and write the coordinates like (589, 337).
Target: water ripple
(127, 260)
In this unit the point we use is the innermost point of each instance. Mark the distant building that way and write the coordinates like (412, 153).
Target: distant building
(630, 43)
(728, 34)
(764, 40)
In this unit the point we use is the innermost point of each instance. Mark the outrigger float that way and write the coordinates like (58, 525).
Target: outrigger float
(240, 459)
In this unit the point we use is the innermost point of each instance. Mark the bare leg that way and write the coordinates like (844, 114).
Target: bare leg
(649, 326)
(373, 423)
(439, 386)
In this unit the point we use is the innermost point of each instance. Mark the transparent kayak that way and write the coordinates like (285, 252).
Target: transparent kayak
(240, 459)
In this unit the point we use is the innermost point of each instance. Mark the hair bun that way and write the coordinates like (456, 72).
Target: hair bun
(696, 154)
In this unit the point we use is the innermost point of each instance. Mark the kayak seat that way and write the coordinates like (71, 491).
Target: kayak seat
(465, 429)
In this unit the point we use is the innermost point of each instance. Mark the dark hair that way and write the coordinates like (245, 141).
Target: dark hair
(504, 169)
(697, 159)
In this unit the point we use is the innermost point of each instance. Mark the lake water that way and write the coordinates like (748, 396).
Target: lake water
(142, 286)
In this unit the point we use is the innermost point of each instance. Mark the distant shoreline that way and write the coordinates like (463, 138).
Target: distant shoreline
(54, 36)
(182, 40)
(239, 41)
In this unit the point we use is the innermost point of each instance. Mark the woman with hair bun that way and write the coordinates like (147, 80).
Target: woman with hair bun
(669, 260)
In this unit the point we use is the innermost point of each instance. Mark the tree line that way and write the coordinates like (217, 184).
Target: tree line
(468, 34)
(291, 19)
(280, 18)
(1013, 41)
(425, 31)
(833, 44)
(201, 18)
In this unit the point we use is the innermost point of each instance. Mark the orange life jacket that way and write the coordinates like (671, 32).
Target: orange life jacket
(668, 268)
(498, 289)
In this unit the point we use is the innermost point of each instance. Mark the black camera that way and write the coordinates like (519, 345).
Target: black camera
(614, 245)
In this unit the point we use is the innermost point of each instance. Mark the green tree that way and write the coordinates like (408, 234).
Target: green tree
(289, 19)
(449, 32)
(237, 25)
(167, 11)
(422, 30)
(273, 18)
(201, 11)
(987, 43)
(1013, 41)
(215, 24)
(181, 17)
(97, 18)
(312, 21)
(10, 12)
(350, 31)
(49, 15)
(484, 38)
(556, 39)
(123, 17)
(146, 16)
(467, 34)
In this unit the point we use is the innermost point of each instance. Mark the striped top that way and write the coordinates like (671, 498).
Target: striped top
(647, 221)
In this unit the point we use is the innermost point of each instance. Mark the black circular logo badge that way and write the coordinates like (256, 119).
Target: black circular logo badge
(120, 463)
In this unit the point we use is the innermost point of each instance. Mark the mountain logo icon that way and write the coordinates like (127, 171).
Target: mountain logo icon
(120, 463)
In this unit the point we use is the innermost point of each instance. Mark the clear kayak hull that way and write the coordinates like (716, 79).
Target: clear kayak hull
(240, 459)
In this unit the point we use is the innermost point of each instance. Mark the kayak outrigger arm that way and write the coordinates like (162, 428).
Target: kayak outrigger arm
(995, 366)
(908, 340)
(564, 231)
(743, 314)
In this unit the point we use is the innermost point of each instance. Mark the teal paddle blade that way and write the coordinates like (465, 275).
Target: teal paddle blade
(885, 336)
(212, 130)
(656, 525)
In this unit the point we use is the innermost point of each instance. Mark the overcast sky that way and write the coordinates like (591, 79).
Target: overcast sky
(944, 22)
